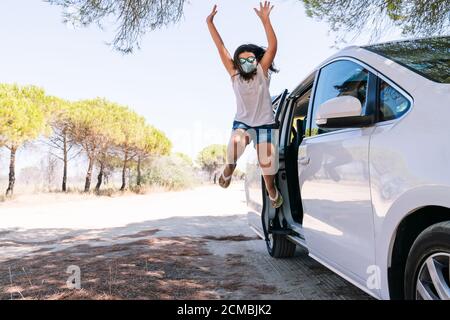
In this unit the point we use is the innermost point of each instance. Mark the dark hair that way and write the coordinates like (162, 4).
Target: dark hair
(258, 51)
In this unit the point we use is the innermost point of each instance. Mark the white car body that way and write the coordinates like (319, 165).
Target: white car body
(383, 173)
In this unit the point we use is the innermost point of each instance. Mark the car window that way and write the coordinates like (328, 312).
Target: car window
(300, 110)
(340, 78)
(392, 103)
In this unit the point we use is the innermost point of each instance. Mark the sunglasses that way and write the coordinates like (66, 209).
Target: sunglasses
(250, 59)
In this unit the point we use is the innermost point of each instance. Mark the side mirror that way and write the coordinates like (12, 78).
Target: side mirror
(342, 112)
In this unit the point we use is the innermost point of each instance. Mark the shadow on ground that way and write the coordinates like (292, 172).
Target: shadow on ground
(207, 257)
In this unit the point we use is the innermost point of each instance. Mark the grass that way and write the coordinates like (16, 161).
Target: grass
(103, 192)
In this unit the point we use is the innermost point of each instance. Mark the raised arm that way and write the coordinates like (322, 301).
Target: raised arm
(264, 13)
(223, 52)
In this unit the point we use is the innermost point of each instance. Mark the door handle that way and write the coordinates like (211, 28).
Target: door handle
(303, 161)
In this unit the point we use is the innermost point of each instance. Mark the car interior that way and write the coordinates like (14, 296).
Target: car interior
(299, 109)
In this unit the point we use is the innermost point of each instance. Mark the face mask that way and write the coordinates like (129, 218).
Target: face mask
(248, 67)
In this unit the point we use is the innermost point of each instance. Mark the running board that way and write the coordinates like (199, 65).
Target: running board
(297, 240)
(257, 231)
(297, 228)
(297, 236)
(281, 231)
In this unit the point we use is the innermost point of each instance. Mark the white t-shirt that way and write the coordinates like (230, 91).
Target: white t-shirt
(254, 104)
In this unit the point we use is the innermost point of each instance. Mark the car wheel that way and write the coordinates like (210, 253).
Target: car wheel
(277, 244)
(427, 274)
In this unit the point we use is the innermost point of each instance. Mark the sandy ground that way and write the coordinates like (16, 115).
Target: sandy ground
(193, 244)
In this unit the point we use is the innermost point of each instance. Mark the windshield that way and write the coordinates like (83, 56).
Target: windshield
(428, 57)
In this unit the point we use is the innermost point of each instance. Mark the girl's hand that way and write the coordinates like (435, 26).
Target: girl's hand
(210, 18)
(264, 11)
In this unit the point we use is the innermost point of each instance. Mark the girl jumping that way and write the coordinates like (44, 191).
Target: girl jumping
(254, 120)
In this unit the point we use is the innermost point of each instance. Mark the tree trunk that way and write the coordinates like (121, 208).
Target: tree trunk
(64, 180)
(138, 182)
(100, 177)
(12, 173)
(124, 169)
(87, 184)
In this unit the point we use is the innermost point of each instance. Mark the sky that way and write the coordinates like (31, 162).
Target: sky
(176, 80)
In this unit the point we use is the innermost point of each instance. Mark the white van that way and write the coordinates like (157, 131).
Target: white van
(365, 169)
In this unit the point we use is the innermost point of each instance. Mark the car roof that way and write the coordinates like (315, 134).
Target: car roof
(408, 79)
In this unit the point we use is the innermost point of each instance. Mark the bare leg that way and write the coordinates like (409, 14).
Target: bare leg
(236, 146)
(270, 185)
(266, 158)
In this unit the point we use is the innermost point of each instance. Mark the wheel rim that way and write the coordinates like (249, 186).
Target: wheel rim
(433, 280)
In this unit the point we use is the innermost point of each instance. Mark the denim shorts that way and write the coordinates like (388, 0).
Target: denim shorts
(259, 134)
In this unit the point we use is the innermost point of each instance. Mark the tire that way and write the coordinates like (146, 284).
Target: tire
(429, 255)
(277, 245)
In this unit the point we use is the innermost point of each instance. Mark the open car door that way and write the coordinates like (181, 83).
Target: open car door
(256, 195)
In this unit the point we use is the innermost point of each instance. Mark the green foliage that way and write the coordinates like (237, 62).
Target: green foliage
(211, 157)
(351, 17)
(185, 158)
(60, 113)
(102, 127)
(104, 130)
(97, 121)
(170, 172)
(132, 129)
(98, 124)
(22, 116)
(153, 142)
(134, 17)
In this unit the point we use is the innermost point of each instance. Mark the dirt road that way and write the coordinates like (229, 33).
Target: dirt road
(191, 244)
